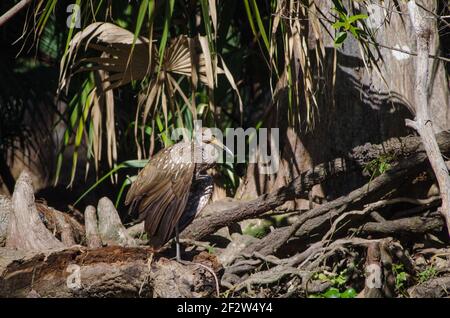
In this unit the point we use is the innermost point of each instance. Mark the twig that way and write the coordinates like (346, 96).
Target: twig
(340, 218)
(432, 56)
(209, 269)
(370, 208)
(204, 245)
(270, 276)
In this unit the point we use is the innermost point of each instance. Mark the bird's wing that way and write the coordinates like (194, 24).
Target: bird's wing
(160, 194)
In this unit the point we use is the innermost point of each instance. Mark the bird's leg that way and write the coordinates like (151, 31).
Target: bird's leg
(177, 243)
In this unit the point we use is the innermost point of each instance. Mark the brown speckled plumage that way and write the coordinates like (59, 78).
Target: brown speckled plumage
(161, 191)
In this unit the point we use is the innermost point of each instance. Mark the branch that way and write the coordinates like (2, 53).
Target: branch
(13, 11)
(409, 148)
(270, 243)
(415, 224)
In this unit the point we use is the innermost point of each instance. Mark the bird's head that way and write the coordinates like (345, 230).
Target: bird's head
(206, 137)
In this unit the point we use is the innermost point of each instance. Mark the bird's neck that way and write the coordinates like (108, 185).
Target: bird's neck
(202, 156)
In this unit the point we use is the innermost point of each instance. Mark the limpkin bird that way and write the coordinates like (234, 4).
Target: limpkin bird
(173, 187)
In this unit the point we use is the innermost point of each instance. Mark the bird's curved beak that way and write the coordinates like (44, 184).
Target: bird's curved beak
(222, 146)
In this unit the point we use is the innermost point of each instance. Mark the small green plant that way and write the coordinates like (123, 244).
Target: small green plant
(346, 23)
(258, 229)
(378, 166)
(136, 164)
(334, 292)
(427, 274)
(225, 294)
(335, 279)
(400, 277)
(210, 249)
(338, 282)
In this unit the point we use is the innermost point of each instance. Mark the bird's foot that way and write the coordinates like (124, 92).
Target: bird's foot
(150, 260)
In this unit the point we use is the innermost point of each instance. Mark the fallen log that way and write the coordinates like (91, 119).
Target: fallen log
(315, 223)
(409, 225)
(409, 156)
(434, 288)
(112, 271)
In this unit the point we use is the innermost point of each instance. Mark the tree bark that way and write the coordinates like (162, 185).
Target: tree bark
(408, 148)
(13, 11)
(93, 239)
(112, 271)
(357, 104)
(110, 228)
(35, 263)
(434, 288)
(423, 123)
(26, 230)
(5, 212)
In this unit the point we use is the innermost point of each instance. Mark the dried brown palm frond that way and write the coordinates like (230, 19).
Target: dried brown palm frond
(125, 57)
(297, 74)
(120, 60)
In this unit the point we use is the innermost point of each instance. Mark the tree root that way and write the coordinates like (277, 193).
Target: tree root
(44, 261)
(408, 151)
(42, 258)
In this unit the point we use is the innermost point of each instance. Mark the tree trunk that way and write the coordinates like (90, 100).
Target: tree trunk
(357, 104)
(423, 122)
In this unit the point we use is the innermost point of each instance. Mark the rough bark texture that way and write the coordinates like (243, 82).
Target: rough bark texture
(356, 104)
(413, 153)
(106, 272)
(410, 225)
(110, 228)
(423, 123)
(35, 263)
(26, 230)
(5, 212)
(272, 242)
(61, 225)
(93, 239)
(434, 288)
